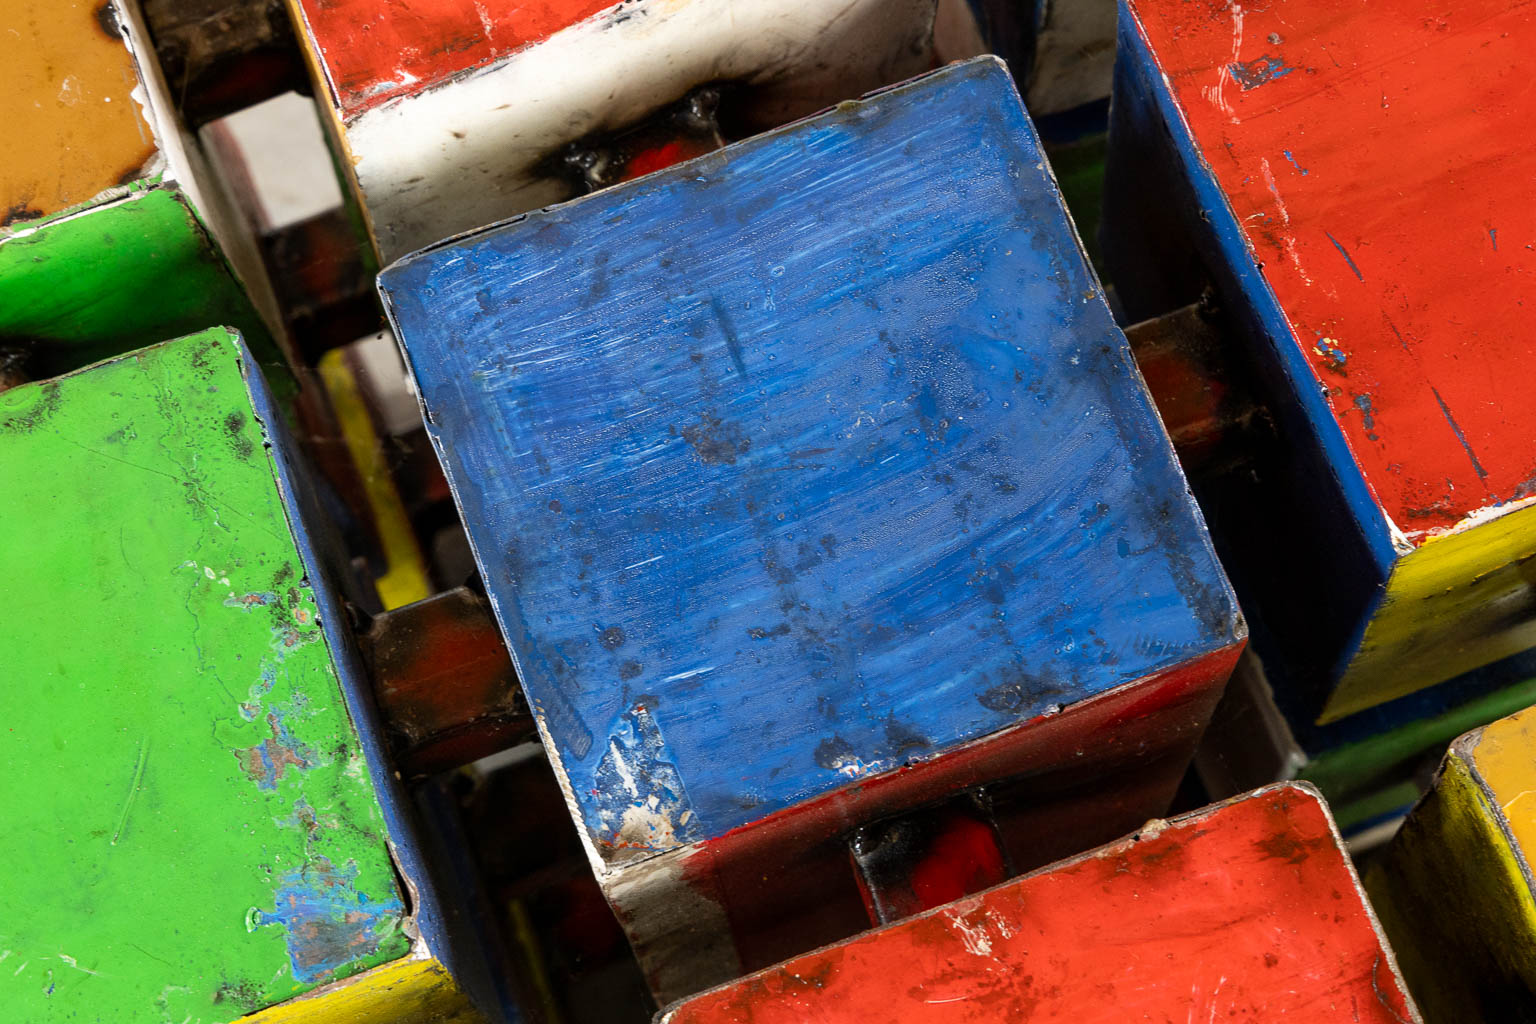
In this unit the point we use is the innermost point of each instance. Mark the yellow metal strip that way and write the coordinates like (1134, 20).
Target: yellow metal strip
(404, 992)
(406, 579)
(1452, 605)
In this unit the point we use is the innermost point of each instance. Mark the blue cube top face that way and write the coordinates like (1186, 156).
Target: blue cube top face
(805, 460)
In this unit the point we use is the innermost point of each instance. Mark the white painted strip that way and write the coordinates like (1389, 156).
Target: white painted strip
(461, 155)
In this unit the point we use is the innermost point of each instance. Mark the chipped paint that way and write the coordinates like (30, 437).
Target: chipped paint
(222, 773)
(629, 818)
(328, 923)
(267, 762)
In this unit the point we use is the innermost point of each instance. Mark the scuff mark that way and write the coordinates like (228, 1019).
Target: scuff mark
(1259, 71)
(1445, 411)
(1287, 154)
(133, 789)
(1217, 94)
(1367, 415)
(1345, 254)
(1289, 244)
(975, 936)
(328, 923)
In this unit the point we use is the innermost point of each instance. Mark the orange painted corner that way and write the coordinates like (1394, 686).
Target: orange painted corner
(74, 125)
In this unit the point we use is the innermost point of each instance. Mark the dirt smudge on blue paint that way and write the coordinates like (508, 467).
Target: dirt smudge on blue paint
(835, 754)
(714, 441)
(1019, 691)
(328, 922)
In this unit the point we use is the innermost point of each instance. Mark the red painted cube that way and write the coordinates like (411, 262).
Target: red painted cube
(1245, 910)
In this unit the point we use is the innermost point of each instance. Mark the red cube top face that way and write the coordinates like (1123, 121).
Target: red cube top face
(375, 50)
(1246, 910)
(1378, 158)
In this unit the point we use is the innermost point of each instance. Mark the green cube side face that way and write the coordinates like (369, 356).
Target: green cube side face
(190, 827)
(116, 277)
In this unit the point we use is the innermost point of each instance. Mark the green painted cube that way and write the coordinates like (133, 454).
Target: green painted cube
(194, 826)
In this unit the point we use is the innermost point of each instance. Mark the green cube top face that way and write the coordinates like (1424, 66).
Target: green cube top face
(190, 827)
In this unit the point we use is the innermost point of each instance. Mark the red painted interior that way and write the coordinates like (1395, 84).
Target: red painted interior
(1248, 911)
(965, 858)
(1378, 156)
(375, 50)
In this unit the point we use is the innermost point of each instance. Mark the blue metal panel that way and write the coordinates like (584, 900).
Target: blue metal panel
(804, 460)
(453, 942)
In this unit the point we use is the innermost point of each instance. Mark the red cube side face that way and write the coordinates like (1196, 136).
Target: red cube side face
(1248, 908)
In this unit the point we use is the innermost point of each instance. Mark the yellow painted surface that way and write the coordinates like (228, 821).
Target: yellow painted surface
(1452, 893)
(405, 579)
(72, 126)
(1505, 760)
(404, 992)
(1452, 605)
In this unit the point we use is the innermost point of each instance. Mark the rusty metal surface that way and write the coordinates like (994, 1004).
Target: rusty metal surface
(445, 683)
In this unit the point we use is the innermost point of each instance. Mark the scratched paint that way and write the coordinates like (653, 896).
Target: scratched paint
(1401, 376)
(192, 833)
(745, 472)
(1342, 74)
(328, 922)
(1455, 888)
(438, 148)
(1249, 910)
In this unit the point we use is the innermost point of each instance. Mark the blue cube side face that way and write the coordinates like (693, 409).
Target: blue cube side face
(805, 460)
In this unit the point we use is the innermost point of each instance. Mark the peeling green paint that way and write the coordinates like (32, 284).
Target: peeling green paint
(190, 829)
(98, 281)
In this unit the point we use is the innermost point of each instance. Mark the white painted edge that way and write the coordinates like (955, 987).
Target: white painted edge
(464, 154)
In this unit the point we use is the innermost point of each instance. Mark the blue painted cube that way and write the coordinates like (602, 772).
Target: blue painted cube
(806, 461)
